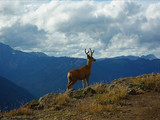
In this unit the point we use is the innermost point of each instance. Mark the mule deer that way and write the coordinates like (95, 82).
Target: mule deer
(81, 73)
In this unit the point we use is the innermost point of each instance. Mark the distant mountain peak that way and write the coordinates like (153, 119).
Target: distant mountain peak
(131, 57)
(4, 46)
(149, 57)
(39, 54)
(7, 49)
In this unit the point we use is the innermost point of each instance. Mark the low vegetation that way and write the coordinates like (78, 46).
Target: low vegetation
(18, 112)
(62, 99)
(98, 99)
(95, 108)
(105, 100)
(148, 82)
(114, 96)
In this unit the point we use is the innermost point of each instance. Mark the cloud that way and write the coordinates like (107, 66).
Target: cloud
(23, 37)
(66, 28)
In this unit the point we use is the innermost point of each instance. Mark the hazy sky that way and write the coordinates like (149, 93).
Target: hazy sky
(66, 28)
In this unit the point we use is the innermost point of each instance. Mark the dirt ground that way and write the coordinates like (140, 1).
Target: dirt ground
(138, 107)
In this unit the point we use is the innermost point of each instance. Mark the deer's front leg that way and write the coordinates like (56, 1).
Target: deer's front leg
(87, 80)
(83, 81)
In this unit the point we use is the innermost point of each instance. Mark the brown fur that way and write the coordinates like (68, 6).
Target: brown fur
(81, 73)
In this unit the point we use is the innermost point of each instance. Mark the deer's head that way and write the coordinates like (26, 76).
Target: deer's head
(90, 57)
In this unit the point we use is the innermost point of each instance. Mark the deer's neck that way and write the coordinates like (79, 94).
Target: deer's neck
(89, 63)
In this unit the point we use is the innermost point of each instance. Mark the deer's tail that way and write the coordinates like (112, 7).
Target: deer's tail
(69, 76)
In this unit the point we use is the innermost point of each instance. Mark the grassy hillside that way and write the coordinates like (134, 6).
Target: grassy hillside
(124, 99)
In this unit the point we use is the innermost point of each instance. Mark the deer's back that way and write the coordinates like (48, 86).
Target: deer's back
(80, 73)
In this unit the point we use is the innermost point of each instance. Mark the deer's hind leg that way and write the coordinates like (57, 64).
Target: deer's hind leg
(70, 84)
(69, 81)
(83, 81)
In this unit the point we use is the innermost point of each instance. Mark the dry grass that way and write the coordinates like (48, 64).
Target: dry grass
(115, 96)
(99, 88)
(105, 102)
(68, 114)
(110, 100)
(18, 112)
(148, 82)
(95, 108)
(62, 99)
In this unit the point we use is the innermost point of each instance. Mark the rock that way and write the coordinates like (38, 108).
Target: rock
(132, 92)
(100, 88)
(81, 93)
(45, 101)
(34, 104)
(75, 93)
(89, 91)
(70, 91)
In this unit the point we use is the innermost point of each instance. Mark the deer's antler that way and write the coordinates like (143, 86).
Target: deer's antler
(92, 51)
(87, 52)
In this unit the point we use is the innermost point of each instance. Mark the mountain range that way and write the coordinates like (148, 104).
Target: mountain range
(131, 57)
(41, 74)
(11, 95)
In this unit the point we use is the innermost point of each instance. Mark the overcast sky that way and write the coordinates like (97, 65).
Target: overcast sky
(66, 28)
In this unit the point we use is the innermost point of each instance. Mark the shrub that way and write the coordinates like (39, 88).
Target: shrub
(141, 85)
